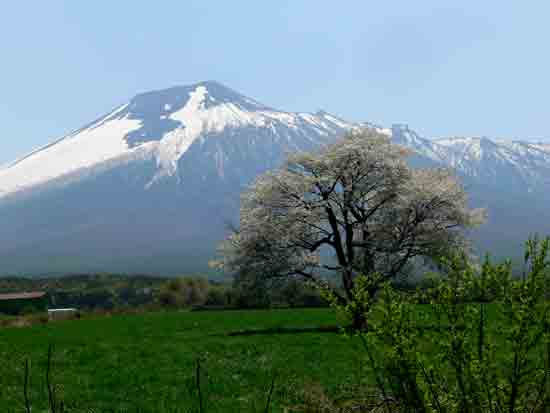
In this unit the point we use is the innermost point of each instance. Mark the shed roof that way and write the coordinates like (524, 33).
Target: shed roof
(22, 296)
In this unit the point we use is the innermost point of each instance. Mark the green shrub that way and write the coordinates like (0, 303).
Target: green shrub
(217, 296)
(28, 310)
(448, 358)
(184, 292)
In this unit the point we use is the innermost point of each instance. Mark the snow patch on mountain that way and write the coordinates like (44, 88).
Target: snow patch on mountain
(199, 119)
(97, 143)
(496, 159)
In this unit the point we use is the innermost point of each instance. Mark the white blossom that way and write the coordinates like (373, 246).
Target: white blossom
(357, 198)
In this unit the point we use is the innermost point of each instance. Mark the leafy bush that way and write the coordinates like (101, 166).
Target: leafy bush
(460, 363)
(184, 292)
(217, 296)
(29, 309)
(260, 293)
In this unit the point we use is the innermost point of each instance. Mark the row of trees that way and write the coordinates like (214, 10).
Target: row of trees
(195, 292)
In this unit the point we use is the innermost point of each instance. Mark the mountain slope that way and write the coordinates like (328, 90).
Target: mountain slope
(151, 186)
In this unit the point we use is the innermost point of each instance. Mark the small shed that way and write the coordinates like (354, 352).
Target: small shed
(18, 303)
(62, 313)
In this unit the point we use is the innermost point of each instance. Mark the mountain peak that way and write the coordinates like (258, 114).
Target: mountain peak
(162, 125)
(169, 100)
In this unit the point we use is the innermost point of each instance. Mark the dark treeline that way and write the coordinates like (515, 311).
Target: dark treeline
(118, 292)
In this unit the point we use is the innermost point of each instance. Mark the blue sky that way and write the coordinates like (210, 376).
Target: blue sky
(445, 68)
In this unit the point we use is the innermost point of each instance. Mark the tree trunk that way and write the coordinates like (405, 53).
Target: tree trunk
(358, 321)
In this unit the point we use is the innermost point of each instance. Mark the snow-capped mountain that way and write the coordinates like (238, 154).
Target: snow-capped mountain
(492, 162)
(162, 125)
(150, 187)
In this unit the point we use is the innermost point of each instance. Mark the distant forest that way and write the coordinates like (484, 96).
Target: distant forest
(109, 292)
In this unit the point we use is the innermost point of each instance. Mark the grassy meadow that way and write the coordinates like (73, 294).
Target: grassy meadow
(147, 362)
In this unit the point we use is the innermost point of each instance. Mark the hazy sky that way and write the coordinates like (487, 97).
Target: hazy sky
(445, 68)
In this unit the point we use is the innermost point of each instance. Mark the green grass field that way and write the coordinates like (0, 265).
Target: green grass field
(147, 362)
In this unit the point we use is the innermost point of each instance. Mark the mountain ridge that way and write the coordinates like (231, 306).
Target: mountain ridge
(169, 118)
(150, 186)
